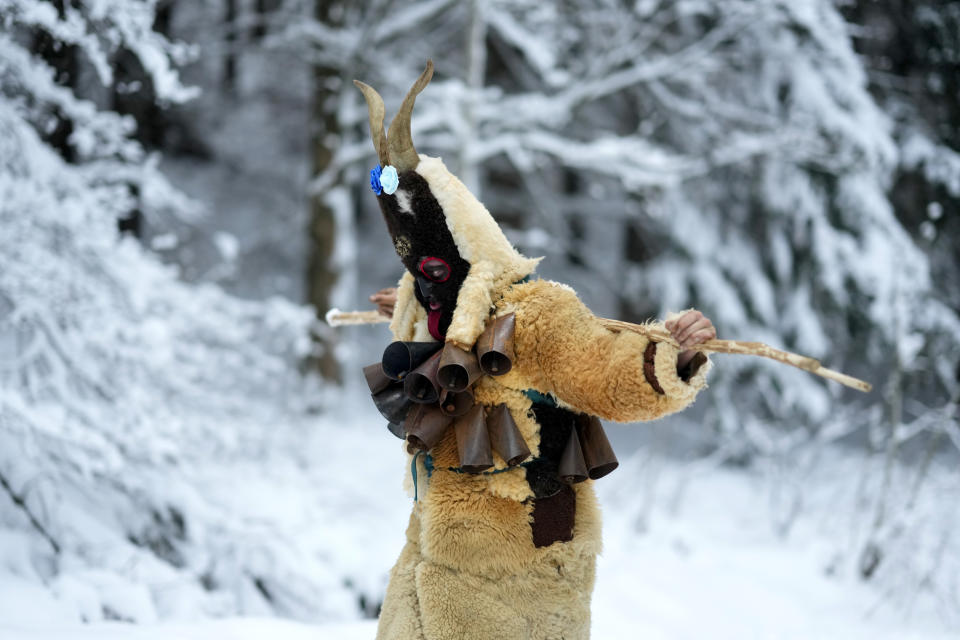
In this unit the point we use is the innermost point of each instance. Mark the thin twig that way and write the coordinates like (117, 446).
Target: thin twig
(20, 501)
(747, 349)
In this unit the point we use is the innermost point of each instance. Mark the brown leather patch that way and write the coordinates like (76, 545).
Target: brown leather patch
(690, 369)
(553, 518)
(649, 369)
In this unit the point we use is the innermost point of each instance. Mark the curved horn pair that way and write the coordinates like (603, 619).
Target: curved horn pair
(395, 147)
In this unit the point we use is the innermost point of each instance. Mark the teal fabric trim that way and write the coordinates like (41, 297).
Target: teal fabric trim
(540, 398)
(428, 466)
(490, 473)
(413, 474)
(495, 471)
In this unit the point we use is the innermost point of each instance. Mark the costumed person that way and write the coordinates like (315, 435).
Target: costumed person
(497, 382)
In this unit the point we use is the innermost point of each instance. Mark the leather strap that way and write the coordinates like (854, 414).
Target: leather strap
(649, 368)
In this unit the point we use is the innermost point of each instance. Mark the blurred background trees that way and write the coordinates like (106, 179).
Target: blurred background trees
(791, 168)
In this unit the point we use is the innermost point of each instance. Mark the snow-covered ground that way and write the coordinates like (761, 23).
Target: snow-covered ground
(167, 473)
(714, 568)
(689, 553)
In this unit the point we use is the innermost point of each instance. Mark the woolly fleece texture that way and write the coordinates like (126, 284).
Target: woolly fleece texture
(562, 349)
(409, 321)
(470, 568)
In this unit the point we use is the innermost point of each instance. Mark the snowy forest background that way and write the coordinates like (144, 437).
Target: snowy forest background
(183, 192)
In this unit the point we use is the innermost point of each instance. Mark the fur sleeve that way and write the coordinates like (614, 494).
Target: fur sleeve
(621, 377)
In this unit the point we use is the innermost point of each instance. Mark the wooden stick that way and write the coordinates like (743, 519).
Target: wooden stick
(337, 318)
(747, 349)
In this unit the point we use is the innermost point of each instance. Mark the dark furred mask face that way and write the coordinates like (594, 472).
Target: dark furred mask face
(424, 243)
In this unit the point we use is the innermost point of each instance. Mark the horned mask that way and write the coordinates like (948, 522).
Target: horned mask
(456, 255)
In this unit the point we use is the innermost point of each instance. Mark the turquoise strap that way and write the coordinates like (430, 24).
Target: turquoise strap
(540, 398)
(413, 473)
(427, 464)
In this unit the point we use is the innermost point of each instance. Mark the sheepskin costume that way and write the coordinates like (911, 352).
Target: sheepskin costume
(507, 553)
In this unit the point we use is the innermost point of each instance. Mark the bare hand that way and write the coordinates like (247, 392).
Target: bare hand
(689, 330)
(385, 299)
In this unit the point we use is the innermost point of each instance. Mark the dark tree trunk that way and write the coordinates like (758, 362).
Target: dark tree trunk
(64, 60)
(230, 40)
(158, 127)
(262, 10)
(321, 276)
(912, 53)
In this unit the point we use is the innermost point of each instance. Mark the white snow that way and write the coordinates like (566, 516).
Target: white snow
(168, 473)
(688, 554)
(716, 569)
(229, 629)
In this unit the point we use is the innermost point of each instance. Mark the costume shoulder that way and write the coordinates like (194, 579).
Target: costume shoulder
(569, 353)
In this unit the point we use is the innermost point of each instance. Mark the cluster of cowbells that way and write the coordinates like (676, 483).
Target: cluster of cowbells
(422, 388)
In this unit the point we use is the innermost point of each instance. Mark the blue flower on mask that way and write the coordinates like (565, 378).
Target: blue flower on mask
(375, 180)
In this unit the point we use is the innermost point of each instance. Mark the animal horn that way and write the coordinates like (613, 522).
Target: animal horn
(376, 110)
(402, 153)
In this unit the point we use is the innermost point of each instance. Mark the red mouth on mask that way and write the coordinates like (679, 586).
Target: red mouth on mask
(433, 321)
